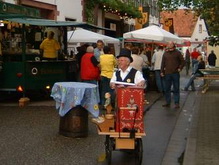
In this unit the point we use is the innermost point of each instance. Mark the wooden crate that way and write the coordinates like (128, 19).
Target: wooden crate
(123, 143)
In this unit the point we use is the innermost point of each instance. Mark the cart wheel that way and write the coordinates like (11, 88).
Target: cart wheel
(108, 149)
(139, 151)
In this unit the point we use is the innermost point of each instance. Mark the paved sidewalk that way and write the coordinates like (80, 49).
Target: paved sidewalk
(195, 139)
(29, 135)
(203, 141)
(196, 132)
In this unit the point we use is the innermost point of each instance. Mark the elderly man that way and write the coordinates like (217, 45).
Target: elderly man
(90, 72)
(172, 63)
(126, 73)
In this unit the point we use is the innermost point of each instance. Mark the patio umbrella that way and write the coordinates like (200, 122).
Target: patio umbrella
(152, 34)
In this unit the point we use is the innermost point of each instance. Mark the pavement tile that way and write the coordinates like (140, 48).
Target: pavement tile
(203, 143)
(31, 133)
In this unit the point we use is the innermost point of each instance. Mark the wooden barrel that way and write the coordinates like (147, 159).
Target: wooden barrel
(74, 123)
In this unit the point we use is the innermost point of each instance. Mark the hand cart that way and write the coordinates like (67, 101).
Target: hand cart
(126, 130)
(122, 141)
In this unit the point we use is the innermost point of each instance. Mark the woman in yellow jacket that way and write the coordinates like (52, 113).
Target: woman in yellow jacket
(50, 47)
(107, 65)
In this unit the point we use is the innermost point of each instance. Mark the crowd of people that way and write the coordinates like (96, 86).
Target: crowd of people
(101, 66)
(98, 64)
(199, 61)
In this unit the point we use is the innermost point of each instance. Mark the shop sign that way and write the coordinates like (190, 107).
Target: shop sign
(8, 8)
(144, 21)
(168, 25)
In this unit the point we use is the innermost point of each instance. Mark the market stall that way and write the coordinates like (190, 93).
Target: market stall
(81, 36)
(22, 67)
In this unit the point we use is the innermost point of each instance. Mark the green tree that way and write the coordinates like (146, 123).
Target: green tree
(113, 6)
(207, 9)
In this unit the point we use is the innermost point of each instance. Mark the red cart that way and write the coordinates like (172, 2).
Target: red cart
(125, 130)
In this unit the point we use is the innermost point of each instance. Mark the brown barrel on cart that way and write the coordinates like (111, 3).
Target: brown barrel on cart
(74, 123)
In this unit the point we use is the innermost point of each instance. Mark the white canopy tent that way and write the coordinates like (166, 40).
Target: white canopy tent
(82, 35)
(86, 36)
(152, 34)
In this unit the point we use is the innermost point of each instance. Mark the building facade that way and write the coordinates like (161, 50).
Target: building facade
(120, 18)
(200, 32)
(104, 14)
(60, 10)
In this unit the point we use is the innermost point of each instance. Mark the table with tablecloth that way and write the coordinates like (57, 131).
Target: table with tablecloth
(70, 94)
(209, 75)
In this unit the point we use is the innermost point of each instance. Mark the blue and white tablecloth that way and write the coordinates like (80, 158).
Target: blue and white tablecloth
(70, 94)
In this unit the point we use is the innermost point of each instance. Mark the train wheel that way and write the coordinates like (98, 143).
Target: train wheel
(139, 151)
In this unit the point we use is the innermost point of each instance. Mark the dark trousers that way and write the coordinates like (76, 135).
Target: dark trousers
(104, 88)
(159, 81)
(172, 79)
(187, 67)
(146, 75)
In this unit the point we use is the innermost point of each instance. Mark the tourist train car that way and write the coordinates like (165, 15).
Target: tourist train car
(21, 65)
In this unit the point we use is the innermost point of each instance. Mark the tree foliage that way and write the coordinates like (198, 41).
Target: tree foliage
(114, 6)
(207, 9)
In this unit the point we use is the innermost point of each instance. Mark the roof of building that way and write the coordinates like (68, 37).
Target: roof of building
(184, 21)
(54, 23)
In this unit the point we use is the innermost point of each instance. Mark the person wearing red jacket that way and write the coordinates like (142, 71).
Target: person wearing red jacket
(90, 73)
(194, 56)
(89, 67)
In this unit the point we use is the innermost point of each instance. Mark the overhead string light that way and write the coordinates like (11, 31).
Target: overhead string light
(108, 9)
